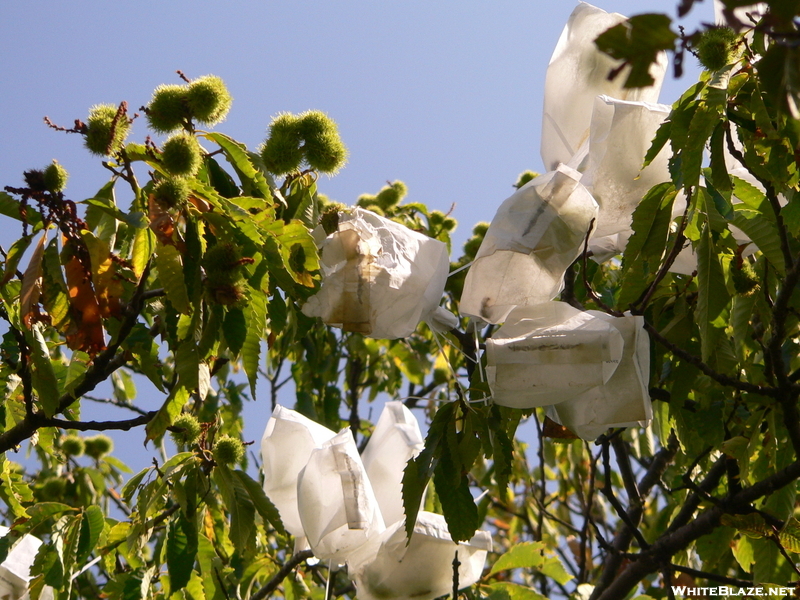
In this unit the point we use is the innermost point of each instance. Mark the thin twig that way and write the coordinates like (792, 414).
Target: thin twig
(282, 573)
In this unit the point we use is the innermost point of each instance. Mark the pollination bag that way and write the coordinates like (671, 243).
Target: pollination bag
(421, 569)
(379, 278)
(549, 353)
(623, 400)
(335, 500)
(286, 447)
(620, 135)
(395, 440)
(577, 73)
(535, 235)
(15, 570)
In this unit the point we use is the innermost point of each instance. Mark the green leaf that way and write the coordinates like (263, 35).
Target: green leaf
(512, 591)
(647, 245)
(712, 297)
(11, 207)
(765, 560)
(764, 234)
(45, 383)
(234, 327)
(237, 155)
(790, 536)
(130, 487)
(743, 553)
(144, 244)
(554, 568)
(256, 314)
(704, 121)
(262, 504)
(91, 527)
(182, 543)
(187, 364)
(527, 555)
(458, 505)
(167, 413)
(13, 257)
(240, 507)
(659, 141)
(170, 272)
(419, 470)
(637, 42)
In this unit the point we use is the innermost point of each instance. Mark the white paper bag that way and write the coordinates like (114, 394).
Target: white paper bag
(549, 353)
(335, 500)
(621, 133)
(395, 440)
(15, 570)
(577, 73)
(380, 278)
(423, 569)
(286, 447)
(624, 400)
(535, 235)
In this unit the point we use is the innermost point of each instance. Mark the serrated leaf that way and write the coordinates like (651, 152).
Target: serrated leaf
(130, 487)
(13, 257)
(239, 505)
(167, 413)
(11, 207)
(182, 545)
(234, 327)
(790, 536)
(511, 591)
(765, 560)
(647, 245)
(31, 285)
(256, 314)
(764, 234)
(751, 524)
(237, 155)
(458, 506)
(526, 555)
(144, 243)
(554, 568)
(45, 383)
(170, 272)
(54, 289)
(659, 141)
(92, 526)
(712, 296)
(704, 121)
(262, 504)
(187, 364)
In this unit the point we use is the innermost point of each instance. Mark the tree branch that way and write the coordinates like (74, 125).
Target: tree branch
(282, 573)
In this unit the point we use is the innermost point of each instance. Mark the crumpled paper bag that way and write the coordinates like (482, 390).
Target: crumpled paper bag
(380, 278)
(623, 400)
(423, 569)
(395, 440)
(15, 570)
(535, 235)
(286, 446)
(549, 353)
(577, 73)
(335, 500)
(620, 135)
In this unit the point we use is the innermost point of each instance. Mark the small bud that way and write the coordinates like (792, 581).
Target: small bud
(208, 99)
(181, 155)
(326, 153)
(228, 450)
(168, 109)
(171, 192)
(101, 128)
(98, 446)
(525, 177)
(55, 177)
(717, 48)
(188, 430)
(53, 489)
(391, 195)
(281, 151)
(72, 445)
(745, 280)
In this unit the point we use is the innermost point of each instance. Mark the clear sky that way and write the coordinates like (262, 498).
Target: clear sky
(444, 95)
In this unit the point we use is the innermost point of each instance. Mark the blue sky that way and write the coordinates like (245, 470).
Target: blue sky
(446, 96)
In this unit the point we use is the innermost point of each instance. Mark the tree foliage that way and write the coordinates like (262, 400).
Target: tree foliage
(185, 273)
